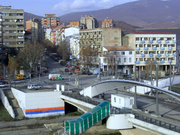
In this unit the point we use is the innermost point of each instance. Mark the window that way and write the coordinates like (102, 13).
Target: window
(130, 60)
(123, 53)
(119, 60)
(124, 59)
(114, 99)
(130, 52)
(116, 38)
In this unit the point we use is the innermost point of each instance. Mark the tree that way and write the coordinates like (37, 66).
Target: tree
(63, 50)
(49, 45)
(12, 65)
(88, 56)
(30, 53)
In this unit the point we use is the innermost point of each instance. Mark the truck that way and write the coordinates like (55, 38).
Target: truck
(55, 77)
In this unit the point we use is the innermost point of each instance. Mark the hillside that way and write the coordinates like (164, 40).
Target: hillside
(139, 13)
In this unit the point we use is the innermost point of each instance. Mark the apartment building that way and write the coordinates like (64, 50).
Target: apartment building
(108, 23)
(88, 22)
(50, 20)
(12, 27)
(123, 56)
(34, 26)
(159, 47)
(100, 37)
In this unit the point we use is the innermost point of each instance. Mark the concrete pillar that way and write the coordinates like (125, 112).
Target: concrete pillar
(142, 68)
(166, 68)
(173, 69)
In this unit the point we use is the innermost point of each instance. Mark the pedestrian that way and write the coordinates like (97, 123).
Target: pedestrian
(51, 69)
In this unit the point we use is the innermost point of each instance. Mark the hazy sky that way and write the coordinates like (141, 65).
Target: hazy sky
(60, 7)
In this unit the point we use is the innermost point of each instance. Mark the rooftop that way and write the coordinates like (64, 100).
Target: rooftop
(118, 48)
(153, 33)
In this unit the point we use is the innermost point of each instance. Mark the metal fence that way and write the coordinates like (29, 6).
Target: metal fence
(81, 98)
(157, 122)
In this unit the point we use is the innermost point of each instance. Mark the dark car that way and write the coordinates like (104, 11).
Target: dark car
(3, 82)
(66, 70)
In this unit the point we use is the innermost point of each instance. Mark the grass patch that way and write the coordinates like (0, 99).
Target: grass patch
(75, 113)
(175, 89)
(4, 114)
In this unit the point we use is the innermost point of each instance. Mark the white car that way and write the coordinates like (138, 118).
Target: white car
(33, 86)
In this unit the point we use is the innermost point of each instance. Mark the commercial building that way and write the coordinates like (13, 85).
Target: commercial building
(34, 26)
(88, 22)
(159, 47)
(12, 27)
(108, 23)
(50, 20)
(100, 37)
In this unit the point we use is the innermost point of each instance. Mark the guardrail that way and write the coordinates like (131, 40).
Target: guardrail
(82, 98)
(157, 122)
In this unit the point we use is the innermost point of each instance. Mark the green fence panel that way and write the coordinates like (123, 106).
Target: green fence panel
(103, 112)
(94, 118)
(99, 115)
(77, 127)
(108, 109)
(85, 124)
(90, 119)
(67, 126)
(72, 128)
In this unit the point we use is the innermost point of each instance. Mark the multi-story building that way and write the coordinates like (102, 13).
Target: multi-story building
(34, 26)
(159, 47)
(108, 23)
(12, 27)
(100, 37)
(50, 20)
(88, 22)
(123, 56)
(75, 24)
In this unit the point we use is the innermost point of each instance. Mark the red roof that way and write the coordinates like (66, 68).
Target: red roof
(153, 33)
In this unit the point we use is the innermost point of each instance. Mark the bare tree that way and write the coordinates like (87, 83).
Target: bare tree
(50, 46)
(88, 56)
(12, 65)
(63, 50)
(30, 53)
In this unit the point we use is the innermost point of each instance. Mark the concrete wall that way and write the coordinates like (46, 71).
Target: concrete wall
(40, 104)
(6, 104)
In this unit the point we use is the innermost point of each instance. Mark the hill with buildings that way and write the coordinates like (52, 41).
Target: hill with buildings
(142, 13)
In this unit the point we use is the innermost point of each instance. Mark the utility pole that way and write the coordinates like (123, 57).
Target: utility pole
(1, 20)
(157, 106)
(170, 75)
(99, 68)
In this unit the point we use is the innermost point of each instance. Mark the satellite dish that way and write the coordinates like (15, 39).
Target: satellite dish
(165, 38)
(151, 38)
(142, 39)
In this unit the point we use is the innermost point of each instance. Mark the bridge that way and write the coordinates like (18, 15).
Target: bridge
(133, 117)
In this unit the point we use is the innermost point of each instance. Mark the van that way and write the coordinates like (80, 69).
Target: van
(20, 76)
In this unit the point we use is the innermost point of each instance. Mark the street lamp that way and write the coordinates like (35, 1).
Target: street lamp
(30, 64)
(1, 20)
(170, 73)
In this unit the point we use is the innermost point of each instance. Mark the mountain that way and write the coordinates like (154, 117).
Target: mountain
(139, 13)
(28, 16)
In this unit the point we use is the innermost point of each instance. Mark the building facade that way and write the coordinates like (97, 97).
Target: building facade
(100, 37)
(108, 23)
(12, 27)
(159, 47)
(34, 26)
(88, 22)
(50, 20)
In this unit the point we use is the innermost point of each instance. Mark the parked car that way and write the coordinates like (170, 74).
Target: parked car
(17, 81)
(66, 70)
(33, 86)
(4, 82)
(2, 85)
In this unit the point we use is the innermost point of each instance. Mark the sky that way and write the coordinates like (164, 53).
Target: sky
(60, 7)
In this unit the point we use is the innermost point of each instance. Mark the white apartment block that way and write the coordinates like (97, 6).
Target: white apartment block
(74, 46)
(159, 47)
(122, 55)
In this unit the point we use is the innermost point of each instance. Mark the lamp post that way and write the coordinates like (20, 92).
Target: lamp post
(170, 74)
(1, 20)
(30, 64)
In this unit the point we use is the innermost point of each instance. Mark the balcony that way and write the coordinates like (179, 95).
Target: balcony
(174, 54)
(154, 48)
(137, 62)
(167, 54)
(142, 41)
(159, 55)
(162, 48)
(145, 48)
(162, 61)
(142, 55)
(137, 48)
(170, 48)
(150, 41)
(150, 55)
(159, 41)
(145, 62)
(166, 41)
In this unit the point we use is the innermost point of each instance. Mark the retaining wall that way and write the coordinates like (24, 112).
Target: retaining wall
(6, 104)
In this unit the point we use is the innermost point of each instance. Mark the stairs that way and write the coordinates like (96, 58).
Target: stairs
(13, 102)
